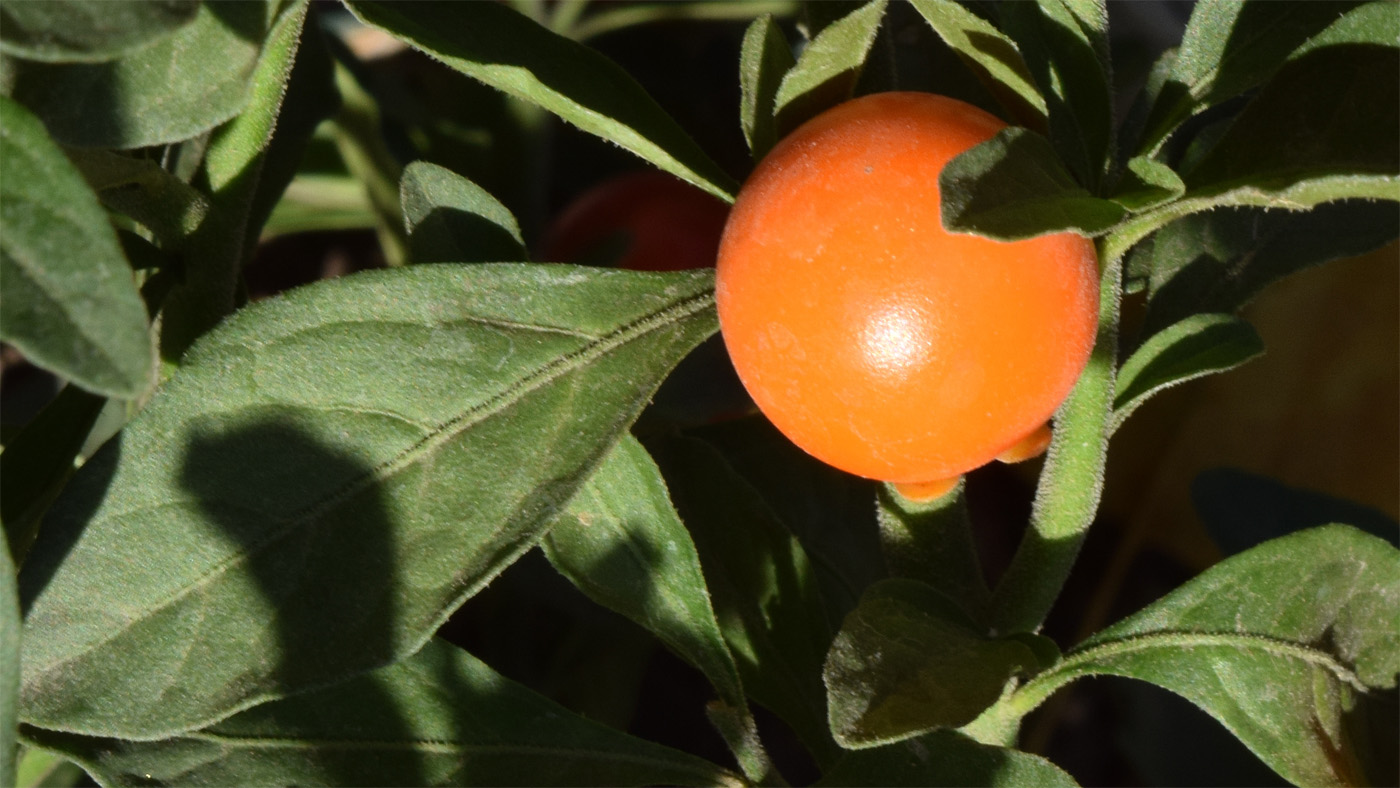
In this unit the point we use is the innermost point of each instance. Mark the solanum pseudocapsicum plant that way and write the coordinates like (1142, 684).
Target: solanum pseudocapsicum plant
(271, 564)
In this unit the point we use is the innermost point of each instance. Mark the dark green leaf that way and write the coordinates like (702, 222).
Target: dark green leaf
(607, 17)
(1066, 48)
(328, 477)
(827, 70)
(1147, 183)
(172, 90)
(1241, 509)
(992, 56)
(1229, 47)
(507, 51)
(1284, 644)
(1197, 346)
(1013, 186)
(620, 541)
(442, 717)
(452, 220)
(1218, 261)
(908, 660)
(70, 303)
(764, 59)
(761, 585)
(137, 187)
(72, 31)
(9, 667)
(944, 758)
(1322, 129)
(932, 542)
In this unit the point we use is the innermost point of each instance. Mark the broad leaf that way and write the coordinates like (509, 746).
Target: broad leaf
(908, 660)
(9, 666)
(179, 86)
(1283, 644)
(1014, 186)
(507, 51)
(827, 70)
(944, 758)
(442, 717)
(932, 542)
(137, 187)
(1147, 183)
(764, 58)
(73, 31)
(992, 56)
(1197, 346)
(328, 477)
(621, 543)
(452, 220)
(761, 585)
(70, 303)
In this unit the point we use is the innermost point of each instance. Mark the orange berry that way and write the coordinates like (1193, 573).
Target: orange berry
(872, 337)
(656, 222)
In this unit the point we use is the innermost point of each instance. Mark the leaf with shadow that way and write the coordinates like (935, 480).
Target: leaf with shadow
(470, 400)
(765, 58)
(944, 758)
(77, 31)
(826, 72)
(449, 219)
(441, 717)
(932, 542)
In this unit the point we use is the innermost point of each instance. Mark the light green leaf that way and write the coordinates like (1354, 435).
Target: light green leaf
(70, 303)
(179, 86)
(621, 542)
(1014, 186)
(76, 31)
(1147, 183)
(944, 758)
(1199, 345)
(452, 220)
(328, 476)
(992, 56)
(9, 667)
(507, 51)
(442, 717)
(764, 58)
(932, 542)
(908, 661)
(42, 769)
(1282, 644)
(827, 70)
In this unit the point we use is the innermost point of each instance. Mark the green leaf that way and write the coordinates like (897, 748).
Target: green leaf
(908, 660)
(1322, 129)
(932, 542)
(761, 585)
(137, 187)
(452, 220)
(1147, 183)
(944, 758)
(992, 57)
(607, 17)
(1283, 644)
(1197, 346)
(621, 543)
(764, 58)
(9, 667)
(1229, 47)
(42, 769)
(1218, 261)
(171, 90)
(507, 51)
(74, 31)
(328, 476)
(442, 717)
(70, 303)
(358, 132)
(1014, 186)
(827, 70)
(1065, 43)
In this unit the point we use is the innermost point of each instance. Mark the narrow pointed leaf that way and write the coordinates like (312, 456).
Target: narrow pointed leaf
(9, 667)
(621, 542)
(494, 44)
(449, 219)
(908, 660)
(179, 86)
(1310, 618)
(328, 477)
(992, 56)
(1199, 345)
(827, 70)
(442, 717)
(75, 31)
(1014, 186)
(70, 303)
(944, 758)
(764, 58)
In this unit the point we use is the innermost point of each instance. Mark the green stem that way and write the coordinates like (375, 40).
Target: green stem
(736, 726)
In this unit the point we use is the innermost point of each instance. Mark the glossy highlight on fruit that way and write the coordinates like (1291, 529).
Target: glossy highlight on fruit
(873, 338)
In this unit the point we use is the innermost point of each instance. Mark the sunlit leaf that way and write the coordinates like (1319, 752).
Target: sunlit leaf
(74, 31)
(764, 59)
(828, 67)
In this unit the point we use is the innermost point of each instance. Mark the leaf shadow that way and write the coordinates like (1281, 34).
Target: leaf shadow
(452, 235)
